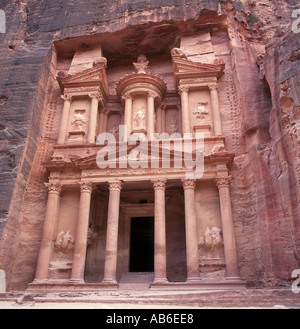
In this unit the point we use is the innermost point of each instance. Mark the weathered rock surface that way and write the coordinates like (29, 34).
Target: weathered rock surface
(261, 124)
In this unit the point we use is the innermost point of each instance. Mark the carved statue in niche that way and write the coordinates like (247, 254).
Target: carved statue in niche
(139, 118)
(79, 119)
(115, 131)
(142, 64)
(213, 239)
(201, 111)
(64, 242)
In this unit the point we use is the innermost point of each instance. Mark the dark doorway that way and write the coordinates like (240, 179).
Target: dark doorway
(142, 244)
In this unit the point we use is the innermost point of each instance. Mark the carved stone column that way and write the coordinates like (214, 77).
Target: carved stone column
(228, 229)
(81, 232)
(64, 119)
(95, 97)
(215, 108)
(163, 118)
(105, 119)
(128, 112)
(192, 253)
(160, 254)
(150, 114)
(158, 120)
(184, 93)
(101, 119)
(48, 231)
(111, 254)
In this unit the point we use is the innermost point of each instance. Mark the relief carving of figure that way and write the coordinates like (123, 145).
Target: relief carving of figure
(139, 118)
(115, 131)
(79, 120)
(213, 239)
(201, 111)
(141, 65)
(64, 242)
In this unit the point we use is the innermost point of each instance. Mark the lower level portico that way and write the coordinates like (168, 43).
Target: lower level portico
(97, 232)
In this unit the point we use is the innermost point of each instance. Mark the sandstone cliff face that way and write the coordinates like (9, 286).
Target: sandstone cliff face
(261, 124)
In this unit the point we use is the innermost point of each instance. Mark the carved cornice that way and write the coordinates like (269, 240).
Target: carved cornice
(223, 181)
(137, 83)
(188, 184)
(53, 187)
(159, 184)
(115, 186)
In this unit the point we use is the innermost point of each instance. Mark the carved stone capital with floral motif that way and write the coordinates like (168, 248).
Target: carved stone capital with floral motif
(223, 181)
(152, 94)
(86, 187)
(66, 97)
(183, 89)
(115, 186)
(126, 96)
(213, 86)
(188, 184)
(96, 95)
(159, 184)
(53, 187)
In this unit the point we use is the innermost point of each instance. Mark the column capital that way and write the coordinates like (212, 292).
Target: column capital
(183, 89)
(126, 96)
(223, 181)
(115, 186)
(66, 97)
(96, 95)
(159, 184)
(105, 111)
(213, 86)
(53, 187)
(188, 184)
(86, 187)
(152, 94)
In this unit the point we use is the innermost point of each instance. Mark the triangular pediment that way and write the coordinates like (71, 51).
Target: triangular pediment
(185, 68)
(92, 77)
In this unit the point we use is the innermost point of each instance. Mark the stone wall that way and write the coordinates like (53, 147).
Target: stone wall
(260, 116)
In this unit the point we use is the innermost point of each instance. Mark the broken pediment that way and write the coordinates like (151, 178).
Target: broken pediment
(92, 79)
(185, 68)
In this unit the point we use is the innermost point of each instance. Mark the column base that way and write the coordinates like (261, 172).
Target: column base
(233, 279)
(160, 281)
(40, 281)
(109, 282)
(76, 281)
(194, 280)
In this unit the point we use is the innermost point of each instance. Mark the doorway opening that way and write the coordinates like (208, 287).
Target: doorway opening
(142, 244)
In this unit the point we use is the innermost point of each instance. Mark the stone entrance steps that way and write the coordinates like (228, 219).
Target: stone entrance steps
(136, 281)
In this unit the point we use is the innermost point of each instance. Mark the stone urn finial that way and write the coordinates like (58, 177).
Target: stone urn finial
(141, 65)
